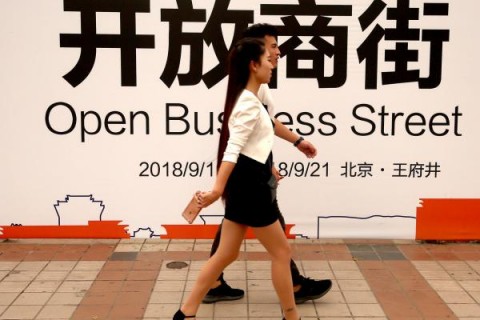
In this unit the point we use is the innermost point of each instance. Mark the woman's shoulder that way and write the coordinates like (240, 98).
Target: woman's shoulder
(247, 94)
(249, 97)
(248, 100)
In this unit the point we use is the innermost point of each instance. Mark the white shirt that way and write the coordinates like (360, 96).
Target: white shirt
(251, 130)
(266, 98)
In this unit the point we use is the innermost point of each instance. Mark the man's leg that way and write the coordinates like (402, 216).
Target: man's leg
(215, 244)
(304, 288)
(221, 291)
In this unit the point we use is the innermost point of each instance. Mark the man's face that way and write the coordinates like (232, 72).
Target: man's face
(272, 46)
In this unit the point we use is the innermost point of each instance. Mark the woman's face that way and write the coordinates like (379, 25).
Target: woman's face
(263, 70)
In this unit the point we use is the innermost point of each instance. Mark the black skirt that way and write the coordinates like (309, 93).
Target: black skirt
(248, 193)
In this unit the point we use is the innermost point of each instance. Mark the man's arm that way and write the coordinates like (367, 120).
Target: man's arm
(286, 134)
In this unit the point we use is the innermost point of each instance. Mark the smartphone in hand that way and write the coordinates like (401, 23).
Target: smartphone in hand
(192, 210)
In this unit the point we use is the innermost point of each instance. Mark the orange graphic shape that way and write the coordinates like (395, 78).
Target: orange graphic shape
(94, 230)
(448, 219)
(205, 231)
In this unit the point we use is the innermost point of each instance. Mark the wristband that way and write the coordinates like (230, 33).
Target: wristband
(299, 140)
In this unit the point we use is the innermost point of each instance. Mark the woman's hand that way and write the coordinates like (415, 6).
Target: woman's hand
(276, 174)
(204, 199)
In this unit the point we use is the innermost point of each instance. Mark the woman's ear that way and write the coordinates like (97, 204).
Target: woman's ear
(253, 66)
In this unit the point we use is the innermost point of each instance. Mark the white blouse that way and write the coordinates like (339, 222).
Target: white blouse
(266, 98)
(251, 130)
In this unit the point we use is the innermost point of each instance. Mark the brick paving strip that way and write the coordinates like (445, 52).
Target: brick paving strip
(125, 284)
(130, 279)
(400, 289)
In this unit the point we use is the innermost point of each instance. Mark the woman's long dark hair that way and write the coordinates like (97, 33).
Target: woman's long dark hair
(239, 58)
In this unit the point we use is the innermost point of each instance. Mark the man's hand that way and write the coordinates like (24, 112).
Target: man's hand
(307, 148)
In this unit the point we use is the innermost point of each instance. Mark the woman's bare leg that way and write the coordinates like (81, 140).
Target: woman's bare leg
(274, 240)
(227, 252)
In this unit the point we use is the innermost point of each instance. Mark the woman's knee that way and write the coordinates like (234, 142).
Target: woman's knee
(226, 257)
(282, 253)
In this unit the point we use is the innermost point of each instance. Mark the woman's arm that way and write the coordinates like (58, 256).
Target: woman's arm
(242, 122)
(207, 198)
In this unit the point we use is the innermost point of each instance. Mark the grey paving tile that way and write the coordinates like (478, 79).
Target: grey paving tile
(391, 256)
(360, 248)
(365, 255)
(124, 256)
(385, 248)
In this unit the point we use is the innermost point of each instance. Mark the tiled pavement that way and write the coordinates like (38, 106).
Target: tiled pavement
(147, 279)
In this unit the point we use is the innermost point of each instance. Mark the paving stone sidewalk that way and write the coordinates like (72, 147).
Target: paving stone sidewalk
(148, 278)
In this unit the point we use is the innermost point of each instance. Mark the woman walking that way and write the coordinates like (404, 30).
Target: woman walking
(245, 181)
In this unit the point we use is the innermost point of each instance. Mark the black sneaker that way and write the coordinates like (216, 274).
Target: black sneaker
(223, 293)
(312, 289)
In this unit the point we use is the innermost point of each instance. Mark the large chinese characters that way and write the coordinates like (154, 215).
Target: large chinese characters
(329, 40)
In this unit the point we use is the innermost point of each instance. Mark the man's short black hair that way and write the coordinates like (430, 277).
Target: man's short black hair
(260, 30)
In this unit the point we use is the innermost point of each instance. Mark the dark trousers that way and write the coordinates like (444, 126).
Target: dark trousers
(296, 277)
